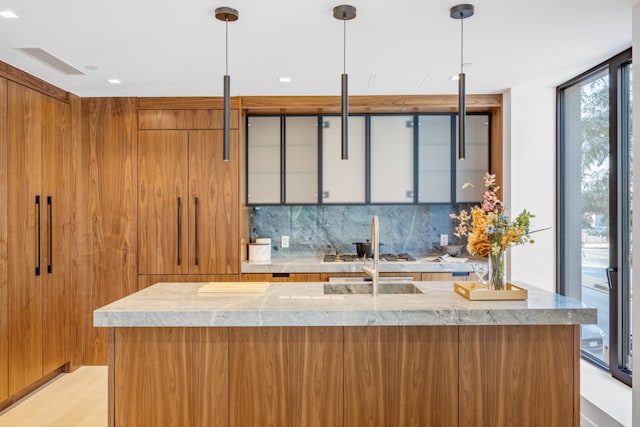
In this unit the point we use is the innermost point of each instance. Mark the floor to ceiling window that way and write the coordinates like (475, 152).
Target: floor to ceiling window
(594, 207)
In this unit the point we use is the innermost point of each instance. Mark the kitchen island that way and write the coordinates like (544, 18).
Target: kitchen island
(295, 356)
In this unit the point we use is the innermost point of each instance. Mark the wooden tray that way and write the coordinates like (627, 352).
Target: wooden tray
(477, 292)
(234, 287)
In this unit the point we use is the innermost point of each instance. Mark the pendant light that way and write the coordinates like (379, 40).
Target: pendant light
(461, 12)
(345, 13)
(227, 15)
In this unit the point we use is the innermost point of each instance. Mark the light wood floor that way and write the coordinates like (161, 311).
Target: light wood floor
(78, 399)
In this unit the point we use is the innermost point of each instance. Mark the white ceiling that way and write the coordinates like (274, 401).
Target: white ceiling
(176, 48)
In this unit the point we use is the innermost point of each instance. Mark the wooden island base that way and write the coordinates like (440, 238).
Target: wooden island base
(345, 376)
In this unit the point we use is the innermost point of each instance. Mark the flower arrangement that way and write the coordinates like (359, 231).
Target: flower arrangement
(490, 232)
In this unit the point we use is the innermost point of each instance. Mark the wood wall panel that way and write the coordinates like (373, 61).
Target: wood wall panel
(185, 103)
(518, 376)
(286, 376)
(4, 319)
(185, 366)
(184, 119)
(27, 80)
(146, 280)
(107, 211)
(409, 377)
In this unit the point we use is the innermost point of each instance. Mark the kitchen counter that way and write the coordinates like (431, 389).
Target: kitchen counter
(305, 304)
(294, 356)
(315, 264)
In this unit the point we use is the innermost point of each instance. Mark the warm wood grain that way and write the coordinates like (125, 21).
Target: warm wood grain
(517, 376)
(576, 375)
(437, 277)
(185, 119)
(214, 182)
(4, 309)
(25, 131)
(163, 202)
(276, 277)
(286, 376)
(77, 288)
(147, 280)
(106, 204)
(185, 102)
(186, 368)
(497, 146)
(245, 211)
(57, 185)
(400, 376)
(366, 104)
(25, 79)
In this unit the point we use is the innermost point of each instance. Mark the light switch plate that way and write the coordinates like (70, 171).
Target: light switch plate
(444, 239)
(285, 242)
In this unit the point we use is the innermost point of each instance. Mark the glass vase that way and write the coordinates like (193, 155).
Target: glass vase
(497, 277)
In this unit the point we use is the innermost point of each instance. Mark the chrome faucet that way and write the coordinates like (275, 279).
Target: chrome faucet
(373, 271)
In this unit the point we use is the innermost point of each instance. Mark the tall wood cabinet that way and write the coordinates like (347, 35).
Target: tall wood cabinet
(39, 233)
(4, 317)
(188, 198)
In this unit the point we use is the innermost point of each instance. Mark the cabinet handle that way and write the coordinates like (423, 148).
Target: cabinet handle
(38, 236)
(197, 261)
(50, 265)
(179, 229)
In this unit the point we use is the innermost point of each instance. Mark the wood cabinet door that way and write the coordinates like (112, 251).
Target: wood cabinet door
(213, 204)
(26, 210)
(56, 236)
(4, 317)
(162, 202)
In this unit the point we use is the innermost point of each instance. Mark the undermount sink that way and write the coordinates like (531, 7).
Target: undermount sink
(354, 285)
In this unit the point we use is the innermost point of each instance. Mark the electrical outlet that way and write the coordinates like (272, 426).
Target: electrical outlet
(285, 242)
(444, 239)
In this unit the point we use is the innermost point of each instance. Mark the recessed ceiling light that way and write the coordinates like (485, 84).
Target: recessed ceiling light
(91, 67)
(284, 79)
(8, 14)
(114, 81)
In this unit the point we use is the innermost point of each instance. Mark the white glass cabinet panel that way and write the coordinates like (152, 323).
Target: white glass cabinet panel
(301, 160)
(343, 181)
(264, 160)
(434, 164)
(391, 159)
(476, 162)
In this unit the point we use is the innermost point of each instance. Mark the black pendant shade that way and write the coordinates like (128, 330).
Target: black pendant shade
(227, 15)
(461, 12)
(345, 13)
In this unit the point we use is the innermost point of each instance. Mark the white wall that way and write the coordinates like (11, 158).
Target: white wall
(530, 179)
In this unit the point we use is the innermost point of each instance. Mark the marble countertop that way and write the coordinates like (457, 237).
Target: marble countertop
(314, 264)
(305, 304)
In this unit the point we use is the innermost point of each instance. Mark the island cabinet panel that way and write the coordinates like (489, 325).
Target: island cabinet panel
(39, 227)
(519, 376)
(400, 376)
(181, 379)
(286, 376)
(188, 203)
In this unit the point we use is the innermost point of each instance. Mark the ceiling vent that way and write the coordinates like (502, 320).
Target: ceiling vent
(48, 59)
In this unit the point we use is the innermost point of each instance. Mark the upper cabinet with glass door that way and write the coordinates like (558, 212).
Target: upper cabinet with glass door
(434, 164)
(263, 146)
(476, 162)
(343, 181)
(392, 159)
(301, 159)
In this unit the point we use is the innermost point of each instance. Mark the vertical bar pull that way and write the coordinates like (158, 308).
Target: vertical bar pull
(197, 260)
(38, 237)
(179, 230)
(50, 264)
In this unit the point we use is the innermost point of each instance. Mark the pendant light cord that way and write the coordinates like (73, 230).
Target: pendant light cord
(462, 46)
(344, 44)
(226, 46)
